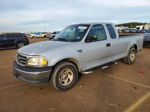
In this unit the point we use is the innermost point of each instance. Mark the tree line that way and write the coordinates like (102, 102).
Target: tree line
(131, 24)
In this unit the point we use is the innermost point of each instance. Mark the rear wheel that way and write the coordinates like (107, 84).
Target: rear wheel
(64, 76)
(20, 44)
(131, 58)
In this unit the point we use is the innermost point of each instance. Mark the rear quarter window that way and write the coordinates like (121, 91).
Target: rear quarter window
(21, 35)
(111, 31)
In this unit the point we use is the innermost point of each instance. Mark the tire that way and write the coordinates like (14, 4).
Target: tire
(64, 76)
(131, 58)
(20, 44)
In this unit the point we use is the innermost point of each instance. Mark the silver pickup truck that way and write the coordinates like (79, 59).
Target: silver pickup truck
(80, 48)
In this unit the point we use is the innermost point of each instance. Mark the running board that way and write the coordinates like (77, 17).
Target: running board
(99, 68)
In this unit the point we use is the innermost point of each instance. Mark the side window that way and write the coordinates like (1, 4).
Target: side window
(14, 36)
(111, 30)
(23, 35)
(10, 36)
(19, 35)
(2, 37)
(96, 33)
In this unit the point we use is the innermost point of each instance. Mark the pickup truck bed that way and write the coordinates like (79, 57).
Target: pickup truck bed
(137, 38)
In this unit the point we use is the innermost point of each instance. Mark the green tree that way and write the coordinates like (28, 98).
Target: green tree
(131, 24)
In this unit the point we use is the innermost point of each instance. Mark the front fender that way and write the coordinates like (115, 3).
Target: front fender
(56, 57)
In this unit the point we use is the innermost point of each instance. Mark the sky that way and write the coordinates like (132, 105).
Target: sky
(53, 15)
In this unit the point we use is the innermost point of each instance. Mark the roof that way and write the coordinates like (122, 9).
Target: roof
(95, 23)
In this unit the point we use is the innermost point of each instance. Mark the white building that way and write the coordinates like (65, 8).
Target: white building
(141, 27)
(147, 26)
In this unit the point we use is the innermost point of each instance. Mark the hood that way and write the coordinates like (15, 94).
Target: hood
(41, 47)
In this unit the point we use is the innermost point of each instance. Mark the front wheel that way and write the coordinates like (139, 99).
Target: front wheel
(131, 58)
(64, 76)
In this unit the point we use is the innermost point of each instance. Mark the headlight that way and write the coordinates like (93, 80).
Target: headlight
(37, 61)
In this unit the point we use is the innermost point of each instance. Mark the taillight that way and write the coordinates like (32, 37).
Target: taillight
(26, 37)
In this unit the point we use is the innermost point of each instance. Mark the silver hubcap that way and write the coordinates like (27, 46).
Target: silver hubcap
(66, 77)
(132, 56)
(20, 45)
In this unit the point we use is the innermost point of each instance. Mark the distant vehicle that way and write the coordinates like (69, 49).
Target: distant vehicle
(37, 35)
(11, 40)
(126, 30)
(133, 31)
(79, 48)
(147, 38)
(143, 31)
(52, 35)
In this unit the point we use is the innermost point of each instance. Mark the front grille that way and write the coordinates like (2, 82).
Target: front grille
(21, 59)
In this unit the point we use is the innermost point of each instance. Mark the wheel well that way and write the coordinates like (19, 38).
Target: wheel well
(71, 60)
(74, 61)
(18, 42)
(134, 46)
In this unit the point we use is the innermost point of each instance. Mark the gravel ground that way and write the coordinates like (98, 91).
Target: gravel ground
(121, 88)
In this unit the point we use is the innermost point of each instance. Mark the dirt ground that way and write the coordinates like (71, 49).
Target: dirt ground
(121, 88)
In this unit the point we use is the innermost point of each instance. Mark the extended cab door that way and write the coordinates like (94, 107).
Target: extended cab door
(96, 48)
(118, 48)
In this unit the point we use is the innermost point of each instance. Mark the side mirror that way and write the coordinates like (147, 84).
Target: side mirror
(93, 37)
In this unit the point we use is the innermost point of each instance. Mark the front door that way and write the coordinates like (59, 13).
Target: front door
(96, 50)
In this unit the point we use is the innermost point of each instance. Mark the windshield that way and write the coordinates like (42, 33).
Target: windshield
(73, 33)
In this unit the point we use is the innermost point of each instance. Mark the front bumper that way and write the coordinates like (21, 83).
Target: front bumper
(32, 75)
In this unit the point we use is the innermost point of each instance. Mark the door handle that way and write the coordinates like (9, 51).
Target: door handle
(79, 50)
(108, 45)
